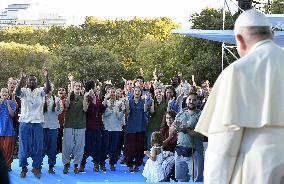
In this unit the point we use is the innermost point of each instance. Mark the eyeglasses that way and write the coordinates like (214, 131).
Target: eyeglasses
(61, 89)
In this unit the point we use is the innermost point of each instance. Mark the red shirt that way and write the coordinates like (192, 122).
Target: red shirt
(94, 114)
(173, 141)
(61, 116)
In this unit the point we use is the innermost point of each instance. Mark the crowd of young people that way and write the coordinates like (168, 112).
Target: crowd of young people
(105, 122)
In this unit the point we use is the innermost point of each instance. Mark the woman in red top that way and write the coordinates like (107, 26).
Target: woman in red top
(169, 134)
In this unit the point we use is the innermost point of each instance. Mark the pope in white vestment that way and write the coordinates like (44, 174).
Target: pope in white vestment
(244, 115)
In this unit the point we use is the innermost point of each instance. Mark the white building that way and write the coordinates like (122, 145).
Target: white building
(27, 15)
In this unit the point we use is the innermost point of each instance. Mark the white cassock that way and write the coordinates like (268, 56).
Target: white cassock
(244, 120)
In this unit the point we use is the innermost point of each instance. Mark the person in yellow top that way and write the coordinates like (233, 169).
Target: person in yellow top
(243, 117)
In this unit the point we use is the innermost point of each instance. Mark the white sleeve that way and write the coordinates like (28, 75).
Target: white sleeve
(23, 92)
(42, 92)
(221, 156)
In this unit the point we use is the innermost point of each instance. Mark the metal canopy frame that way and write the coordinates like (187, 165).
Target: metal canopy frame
(225, 36)
(224, 46)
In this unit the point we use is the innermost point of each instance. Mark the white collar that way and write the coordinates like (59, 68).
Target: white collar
(259, 44)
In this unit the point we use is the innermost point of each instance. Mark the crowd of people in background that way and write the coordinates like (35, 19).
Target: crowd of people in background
(103, 121)
(243, 120)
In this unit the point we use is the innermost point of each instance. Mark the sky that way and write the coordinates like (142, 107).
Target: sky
(76, 10)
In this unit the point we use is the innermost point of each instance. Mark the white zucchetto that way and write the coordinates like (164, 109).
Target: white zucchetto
(250, 18)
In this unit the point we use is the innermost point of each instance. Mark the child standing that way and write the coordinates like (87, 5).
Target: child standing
(153, 170)
(7, 132)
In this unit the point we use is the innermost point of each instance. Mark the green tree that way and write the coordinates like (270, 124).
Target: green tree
(276, 7)
(160, 55)
(17, 57)
(86, 63)
(23, 34)
(200, 57)
(124, 36)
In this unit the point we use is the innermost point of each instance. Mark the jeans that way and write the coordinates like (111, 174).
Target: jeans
(183, 167)
(50, 145)
(31, 144)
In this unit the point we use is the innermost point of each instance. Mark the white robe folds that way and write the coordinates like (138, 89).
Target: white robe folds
(246, 96)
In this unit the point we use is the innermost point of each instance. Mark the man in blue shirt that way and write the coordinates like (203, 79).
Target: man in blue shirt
(189, 149)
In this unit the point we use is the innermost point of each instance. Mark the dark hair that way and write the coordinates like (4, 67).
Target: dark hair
(263, 32)
(172, 114)
(173, 89)
(62, 88)
(192, 89)
(45, 104)
(193, 93)
(156, 138)
(140, 77)
(205, 81)
(32, 75)
(113, 88)
(177, 77)
(152, 90)
(89, 85)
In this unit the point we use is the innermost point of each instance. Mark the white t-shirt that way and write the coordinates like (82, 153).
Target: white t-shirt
(51, 117)
(32, 105)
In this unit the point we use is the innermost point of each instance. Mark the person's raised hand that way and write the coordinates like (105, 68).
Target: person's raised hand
(86, 96)
(171, 100)
(124, 80)
(70, 77)
(45, 72)
(146, 152)
(91, 93)
(23, 74)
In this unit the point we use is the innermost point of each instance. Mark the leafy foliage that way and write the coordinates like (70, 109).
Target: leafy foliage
(202, 58)
(276, 7)
(85, 63)
(109, 49)
(16, 58)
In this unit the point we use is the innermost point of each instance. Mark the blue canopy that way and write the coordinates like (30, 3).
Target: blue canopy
(276, 20)
(227, 36)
